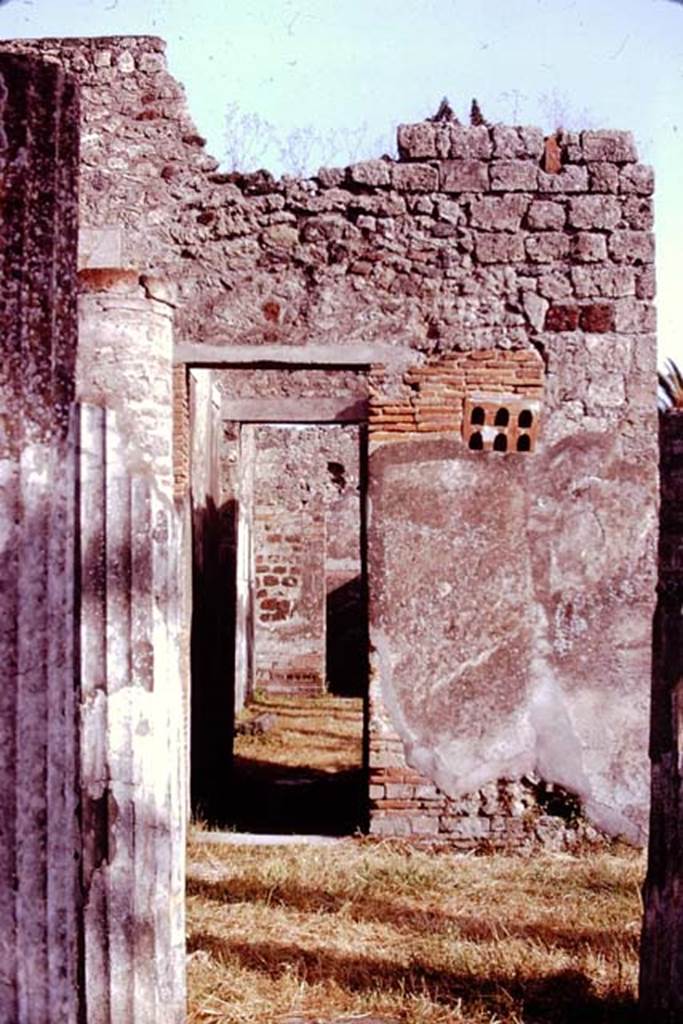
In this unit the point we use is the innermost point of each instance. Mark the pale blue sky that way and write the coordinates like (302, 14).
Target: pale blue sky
(338, 66)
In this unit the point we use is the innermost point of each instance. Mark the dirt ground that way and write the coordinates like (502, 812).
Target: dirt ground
(298, 766)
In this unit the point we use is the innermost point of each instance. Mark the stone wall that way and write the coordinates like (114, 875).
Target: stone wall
(476, 237)
(537, 253)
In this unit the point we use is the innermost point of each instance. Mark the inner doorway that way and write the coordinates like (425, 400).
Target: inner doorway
(280, 637)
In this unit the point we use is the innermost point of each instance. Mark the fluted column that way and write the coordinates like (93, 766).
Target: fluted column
(40, 925)
(132, 770)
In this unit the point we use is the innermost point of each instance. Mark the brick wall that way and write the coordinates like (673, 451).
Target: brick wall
(431, 399)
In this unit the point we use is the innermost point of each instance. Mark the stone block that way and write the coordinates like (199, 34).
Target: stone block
(611, 282)
(152, 63)
(331, 177)
(513, 143)
(513, 176)
(399, 791)
(426, 791)
(280, 236)
(366, 223)
(449, 211)
(415, 177)
(555, 285)
(499, 248)
(638, 213)
(417, 141)
(470, 828)
(469, 143)
(593, 212)
(535, 308)
(633, 315)
(645, 359)
(376, 173)
(545, 215)
(495, 213)
(589, 247)
(389, 825)
(611, 146)
(572, 178)
(424, 824)
(126, 62)
(603, 177)
(552, 156)
(547, 247)
(464, 176)
(571, 145)
(637, 178)
(441, 230)
(421, 204)
(646, 284)
(632, 247)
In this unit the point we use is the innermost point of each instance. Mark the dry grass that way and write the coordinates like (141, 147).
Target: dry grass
(418, 937)
(321, 733)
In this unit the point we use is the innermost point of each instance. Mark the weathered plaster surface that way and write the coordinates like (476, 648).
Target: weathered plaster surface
(497, 581)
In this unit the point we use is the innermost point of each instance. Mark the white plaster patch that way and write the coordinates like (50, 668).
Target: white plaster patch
(100, 247)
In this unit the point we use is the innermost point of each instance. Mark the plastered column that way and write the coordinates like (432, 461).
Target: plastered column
(40, 925)
(125, 353)
(132, 766)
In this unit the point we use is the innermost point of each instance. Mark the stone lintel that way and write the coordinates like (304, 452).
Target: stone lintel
(294, 410)
(196, 354)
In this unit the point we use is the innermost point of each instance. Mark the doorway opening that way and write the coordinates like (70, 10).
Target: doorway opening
(279, 647)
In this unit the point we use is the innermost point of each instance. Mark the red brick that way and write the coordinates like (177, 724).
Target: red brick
(597, 318)
(562, 318)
